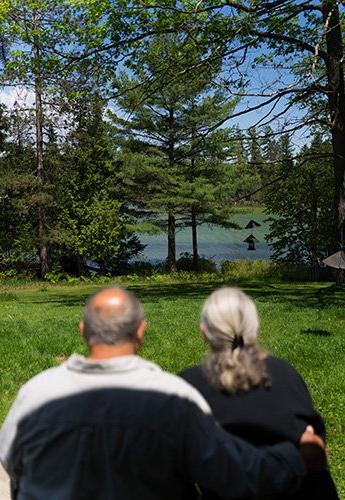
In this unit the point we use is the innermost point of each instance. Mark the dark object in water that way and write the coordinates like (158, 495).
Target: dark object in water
(251, 240)
(252, 223)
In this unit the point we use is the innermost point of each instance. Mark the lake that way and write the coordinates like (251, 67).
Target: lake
(215, 243)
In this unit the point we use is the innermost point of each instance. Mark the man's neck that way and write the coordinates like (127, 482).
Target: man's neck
(105, 351)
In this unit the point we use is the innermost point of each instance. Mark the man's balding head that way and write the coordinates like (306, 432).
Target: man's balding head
(112, 316)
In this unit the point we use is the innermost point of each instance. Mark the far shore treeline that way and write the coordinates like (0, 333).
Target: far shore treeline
(130, 118)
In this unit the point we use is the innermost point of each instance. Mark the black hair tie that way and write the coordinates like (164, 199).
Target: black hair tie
(237, 342)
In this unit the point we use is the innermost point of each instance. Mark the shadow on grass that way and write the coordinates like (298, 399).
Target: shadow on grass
(7, 297)
(318, 332)
(319, 296)
(146, 293)
(298, 295)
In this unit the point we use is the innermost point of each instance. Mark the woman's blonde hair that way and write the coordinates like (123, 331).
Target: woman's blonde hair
(230, 324)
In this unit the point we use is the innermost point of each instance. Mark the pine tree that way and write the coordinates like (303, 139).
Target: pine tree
(207, 189)
(301, 205)
(39, 37)
(19, 188)
(91, 221)
(174, 158)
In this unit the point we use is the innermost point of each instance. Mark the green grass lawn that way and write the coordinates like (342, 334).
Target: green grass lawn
(303, 323)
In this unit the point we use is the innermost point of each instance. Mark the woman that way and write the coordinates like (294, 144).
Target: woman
(252, 394)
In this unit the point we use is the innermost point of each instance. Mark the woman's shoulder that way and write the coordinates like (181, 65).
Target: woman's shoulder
(285, 377)
(278, 365)
(196, 376)
(192, 373)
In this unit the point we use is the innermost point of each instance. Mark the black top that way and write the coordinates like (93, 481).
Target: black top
(134, 444)
(268, 415)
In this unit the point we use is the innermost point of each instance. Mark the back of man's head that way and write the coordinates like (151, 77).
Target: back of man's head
(112, 316)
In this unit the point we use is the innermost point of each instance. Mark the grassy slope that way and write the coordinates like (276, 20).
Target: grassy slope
(302, 323)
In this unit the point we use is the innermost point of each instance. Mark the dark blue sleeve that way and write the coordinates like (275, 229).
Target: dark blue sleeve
(234, 469)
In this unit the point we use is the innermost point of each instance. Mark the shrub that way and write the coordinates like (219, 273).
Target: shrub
(9, 273)
(187, 276)
(141, 268)
(245, 269)
(14, 277)
(264, 269)
(55, 275)
(185, 263)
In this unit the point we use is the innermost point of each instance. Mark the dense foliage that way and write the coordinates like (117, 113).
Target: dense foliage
(302, 204)
(174, 152)
(126, 126)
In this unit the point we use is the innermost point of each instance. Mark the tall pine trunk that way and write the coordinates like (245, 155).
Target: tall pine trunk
(193, 215)
(41, 209)
(171, 260)
(336, 99)
(195, 241)
(314, 232)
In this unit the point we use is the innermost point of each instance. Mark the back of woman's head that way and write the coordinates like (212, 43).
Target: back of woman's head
(230, 324)
(229, 314)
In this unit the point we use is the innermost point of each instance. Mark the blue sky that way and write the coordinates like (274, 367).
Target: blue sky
(260, 77)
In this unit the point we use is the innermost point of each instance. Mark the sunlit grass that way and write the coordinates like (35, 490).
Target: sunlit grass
(303, 323)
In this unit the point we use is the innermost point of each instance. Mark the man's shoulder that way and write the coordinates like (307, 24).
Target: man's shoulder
(44, 378)
(40, 388)
(61, 381)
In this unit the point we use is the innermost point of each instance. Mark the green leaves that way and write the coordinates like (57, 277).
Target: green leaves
(174, 158)
(302, 204)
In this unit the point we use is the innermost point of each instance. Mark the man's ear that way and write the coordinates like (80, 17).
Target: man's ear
(141, 331)
(81, 327)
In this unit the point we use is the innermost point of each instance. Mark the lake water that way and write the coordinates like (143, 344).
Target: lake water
(213, 242)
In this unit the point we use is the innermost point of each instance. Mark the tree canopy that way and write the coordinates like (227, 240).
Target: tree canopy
(136, 120)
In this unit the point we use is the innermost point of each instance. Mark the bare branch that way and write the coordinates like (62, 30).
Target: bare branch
(269, 35)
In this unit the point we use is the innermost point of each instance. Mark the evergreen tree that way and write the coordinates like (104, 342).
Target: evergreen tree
(301, 205)
(271, 155)
(207, 188)
(300, 42)
(40, 36)
(20, 191)
(91, 221)
(245, 177)
(171, 153)
(256, 164)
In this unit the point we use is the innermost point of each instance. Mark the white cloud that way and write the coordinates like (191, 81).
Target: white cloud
(22, 96)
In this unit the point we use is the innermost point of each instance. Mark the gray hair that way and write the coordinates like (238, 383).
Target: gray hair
(117, 325)
(230, 324)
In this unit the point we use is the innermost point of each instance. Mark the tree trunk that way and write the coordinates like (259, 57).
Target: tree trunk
(42, 247)
(195, 241)
(41, 209)
(314, 232)
(171, 260)
(340, 280)
(336, 99)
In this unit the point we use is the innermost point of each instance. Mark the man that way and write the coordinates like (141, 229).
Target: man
(115, 426)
